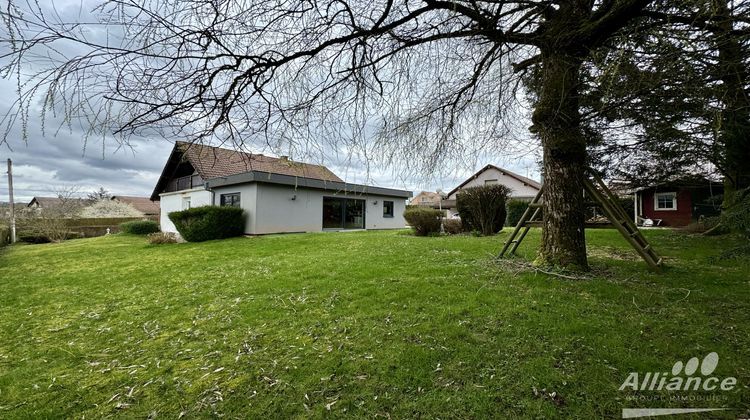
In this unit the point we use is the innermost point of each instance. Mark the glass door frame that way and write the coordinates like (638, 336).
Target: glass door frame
(343, 206)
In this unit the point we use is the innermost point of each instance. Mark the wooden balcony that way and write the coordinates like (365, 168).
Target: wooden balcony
(184, 183)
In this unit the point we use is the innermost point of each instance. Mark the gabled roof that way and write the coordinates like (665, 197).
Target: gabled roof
(215, 162)
(142, 204)
(431, 196)
(55, 201)
(528, 181)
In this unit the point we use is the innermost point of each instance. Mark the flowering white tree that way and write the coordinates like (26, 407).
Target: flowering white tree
(109, 208)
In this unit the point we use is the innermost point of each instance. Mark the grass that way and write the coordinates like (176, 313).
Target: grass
(362, 324)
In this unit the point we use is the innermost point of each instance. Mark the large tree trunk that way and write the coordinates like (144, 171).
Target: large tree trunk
(557, 120)
(734, 131)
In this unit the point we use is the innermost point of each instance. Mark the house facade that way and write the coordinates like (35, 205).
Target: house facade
(678, 203)
(521, 187)
(277, 194)
(425, 198)
(143, 204)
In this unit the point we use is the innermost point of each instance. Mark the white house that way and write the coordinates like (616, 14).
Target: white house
(521, 187)
(277, 194)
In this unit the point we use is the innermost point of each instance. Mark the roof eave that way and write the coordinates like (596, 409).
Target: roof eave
(300, 182)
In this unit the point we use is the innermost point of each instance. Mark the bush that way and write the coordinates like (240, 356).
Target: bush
(424, 220)
(159, 238)
(205, 223)
(452, 226)
(139, 227)
(483, 208)
(515, 209)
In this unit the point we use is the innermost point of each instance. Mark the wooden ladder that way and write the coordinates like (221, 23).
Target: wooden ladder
(610, 205)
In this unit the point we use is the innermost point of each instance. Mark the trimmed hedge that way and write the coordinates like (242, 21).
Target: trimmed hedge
(205, 223)
(515, 209)
(140, 227)
(482, 208)
(423, 220)
(33, 238)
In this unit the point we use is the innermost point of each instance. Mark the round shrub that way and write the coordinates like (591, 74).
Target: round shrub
(205, 223)
(515, 209)
(139, 227)
(424, 220)
(452, 226)
(482, 208)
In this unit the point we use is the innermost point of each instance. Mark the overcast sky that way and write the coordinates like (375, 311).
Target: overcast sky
(64, 158)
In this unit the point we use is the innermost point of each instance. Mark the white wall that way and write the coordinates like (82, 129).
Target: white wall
(172, 201)
(247, 201)
(277, 212)
(270, 208)
(374, 213)
(518, 189)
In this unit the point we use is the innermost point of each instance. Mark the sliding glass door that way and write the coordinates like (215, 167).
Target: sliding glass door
(343, 213)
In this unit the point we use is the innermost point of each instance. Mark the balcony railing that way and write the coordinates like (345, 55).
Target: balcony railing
(184, 183)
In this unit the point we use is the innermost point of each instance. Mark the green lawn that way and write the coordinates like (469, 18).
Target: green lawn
(366, 324)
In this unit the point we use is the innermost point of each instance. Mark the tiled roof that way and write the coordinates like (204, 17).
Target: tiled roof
(56, 201)
(214, 162)
(142, 204)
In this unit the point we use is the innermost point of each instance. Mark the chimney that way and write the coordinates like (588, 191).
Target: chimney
(284, 158)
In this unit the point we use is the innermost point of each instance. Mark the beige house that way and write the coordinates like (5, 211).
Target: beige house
(425, 198)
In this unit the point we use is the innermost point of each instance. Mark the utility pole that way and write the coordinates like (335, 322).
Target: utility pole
(12, 203)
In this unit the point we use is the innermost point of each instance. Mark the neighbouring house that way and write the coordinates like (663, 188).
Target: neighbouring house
(58, 206)
(143, 204)
(521, 187)
(277, 194)
(678, 203)
(425, 198)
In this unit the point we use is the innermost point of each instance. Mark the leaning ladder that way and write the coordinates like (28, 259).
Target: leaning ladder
(604, 198)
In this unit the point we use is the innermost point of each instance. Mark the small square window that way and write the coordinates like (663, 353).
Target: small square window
(230, 200)
(490, 182)
(665, 201)
(387, 208)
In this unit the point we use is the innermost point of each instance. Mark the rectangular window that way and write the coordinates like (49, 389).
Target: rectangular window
(387, 208)
(665, 201)
(343, 213)
(185, 203)
(230, 200)
(490, 182)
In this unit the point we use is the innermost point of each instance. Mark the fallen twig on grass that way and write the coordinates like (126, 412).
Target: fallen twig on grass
(518, 266)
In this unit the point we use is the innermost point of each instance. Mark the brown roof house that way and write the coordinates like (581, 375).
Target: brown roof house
(142, 204)
(277, 194)
(60, 206)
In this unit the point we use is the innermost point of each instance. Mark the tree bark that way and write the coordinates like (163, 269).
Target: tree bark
(557, 120)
